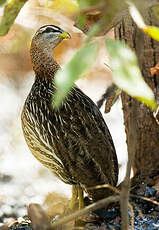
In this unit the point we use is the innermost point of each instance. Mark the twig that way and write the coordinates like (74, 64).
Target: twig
(108, 66)
(145, 198)
(124, 195)
(90, 208)
(114, 189)
(110, 95)
(139, 212)
(132, 215)
(77, 228)
(155, 114)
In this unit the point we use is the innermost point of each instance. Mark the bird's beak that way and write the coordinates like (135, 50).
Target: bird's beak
(65, 35)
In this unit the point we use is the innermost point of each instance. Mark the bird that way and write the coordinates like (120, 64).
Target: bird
(72, 141)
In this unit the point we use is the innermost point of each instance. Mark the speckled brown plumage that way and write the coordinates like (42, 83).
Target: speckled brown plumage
(74, 141)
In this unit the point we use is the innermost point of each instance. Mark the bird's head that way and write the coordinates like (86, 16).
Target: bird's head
(50, 36)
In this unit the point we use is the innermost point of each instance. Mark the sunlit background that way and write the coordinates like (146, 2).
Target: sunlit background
(23, 179)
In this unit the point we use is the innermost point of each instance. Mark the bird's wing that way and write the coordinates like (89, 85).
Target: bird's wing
(89, 144)
(80, 139)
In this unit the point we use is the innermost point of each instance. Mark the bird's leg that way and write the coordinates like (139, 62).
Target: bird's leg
(81, 198)
(74, 196)
(77, 192)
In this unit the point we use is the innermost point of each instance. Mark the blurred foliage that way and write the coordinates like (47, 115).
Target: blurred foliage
(13, 7)
(82, 61)
(102, 14)
(11, 11)
(18, 41)
(156, 11)
(2, 2)
(55, 204)
(84, 3)
(81, 21)
(126, 73)
(66, 7)
(86, 12)
(92, 32)
(152, 31)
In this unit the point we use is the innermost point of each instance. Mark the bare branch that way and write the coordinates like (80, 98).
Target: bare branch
(156, 115)
(131, 153)
(145, 198)
(99, 204)
(132, 216)
(114, 189)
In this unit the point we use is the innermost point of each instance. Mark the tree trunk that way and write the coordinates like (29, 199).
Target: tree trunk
(146, 128)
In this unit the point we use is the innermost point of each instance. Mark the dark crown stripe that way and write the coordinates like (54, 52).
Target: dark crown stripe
(50, 28)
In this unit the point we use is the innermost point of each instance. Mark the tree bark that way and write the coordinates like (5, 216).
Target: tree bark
(146, 130)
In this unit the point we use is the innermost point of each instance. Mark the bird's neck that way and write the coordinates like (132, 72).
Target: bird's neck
(44, 65)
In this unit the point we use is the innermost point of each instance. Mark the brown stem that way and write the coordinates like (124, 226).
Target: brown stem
(99, 204)
(124, 195)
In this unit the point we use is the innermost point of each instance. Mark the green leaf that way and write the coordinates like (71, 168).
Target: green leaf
(64, 79)
(11, 11)
(126, 73)
(152, 31)
(135, 14)
(2, 2)
(84, 3)
(81, 20)
(92, 32)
